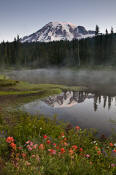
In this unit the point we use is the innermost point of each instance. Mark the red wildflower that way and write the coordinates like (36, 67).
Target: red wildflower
(65, 144)
(65, 139)
(57, 147)
(111, 144)
(48, 141)
(81, 149)
(98, 152)
(77, 128)
(74, 147)
(62, 150)
(71, 152)
(96, 147)
(23, 155)
(54, 144)
(10, 139)
(114, 150)
(45, 136)
(41, 147)
(52, 151)
(13, 145)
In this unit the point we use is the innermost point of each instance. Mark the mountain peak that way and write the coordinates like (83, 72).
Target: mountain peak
(56, 31)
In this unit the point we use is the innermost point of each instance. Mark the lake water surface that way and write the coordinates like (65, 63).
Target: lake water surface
(93, 109)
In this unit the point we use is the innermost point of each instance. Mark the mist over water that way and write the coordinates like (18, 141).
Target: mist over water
(95, 108)
(97, 80)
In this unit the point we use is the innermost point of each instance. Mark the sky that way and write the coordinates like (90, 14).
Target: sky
(24, 17)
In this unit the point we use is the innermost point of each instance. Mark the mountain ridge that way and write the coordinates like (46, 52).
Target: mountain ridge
(56, 31)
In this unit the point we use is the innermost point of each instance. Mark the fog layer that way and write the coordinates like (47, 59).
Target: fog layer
(97, 80)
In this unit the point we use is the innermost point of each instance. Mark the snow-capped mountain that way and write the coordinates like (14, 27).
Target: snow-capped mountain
(56, 31)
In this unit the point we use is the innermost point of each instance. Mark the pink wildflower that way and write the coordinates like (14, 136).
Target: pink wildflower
(87, 155)
(35, 146)
(31, 143)
(77, 128)
(29, 148)
(28, 142)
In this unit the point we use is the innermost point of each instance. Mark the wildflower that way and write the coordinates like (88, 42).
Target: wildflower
(57, 147)
(65, 139)
(10, 139)
(35, 146)
(54, 144)
(87, 155)
(98, 152)
(77, 128)
(71, 152)
(65, 144)
(29, 148)
(45, 136)
(113, 165)
(33, 156)
(74, 147)
(81, 149)
(96, 147)
(28, 142)
(48, 141)
(62, 150)
(23, 155)
(13, 146)
(62, 134)
(114, 150)
(111, 144)
(52, 151)
(41, 147)
(31, 143)
(28, 163)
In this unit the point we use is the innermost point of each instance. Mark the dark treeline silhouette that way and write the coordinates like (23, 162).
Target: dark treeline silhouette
(99, 50)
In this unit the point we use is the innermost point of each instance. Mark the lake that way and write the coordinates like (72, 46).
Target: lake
(95, 108)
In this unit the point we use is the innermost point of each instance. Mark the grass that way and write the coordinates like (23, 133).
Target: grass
(13, 93)
(39, 146)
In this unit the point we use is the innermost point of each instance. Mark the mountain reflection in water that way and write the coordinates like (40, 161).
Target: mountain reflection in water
(70, 98)
(88, 110)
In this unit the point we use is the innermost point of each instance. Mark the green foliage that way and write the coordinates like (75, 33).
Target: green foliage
(45, 147)
(26, 127)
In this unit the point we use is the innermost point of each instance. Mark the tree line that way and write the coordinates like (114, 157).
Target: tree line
(98, 50)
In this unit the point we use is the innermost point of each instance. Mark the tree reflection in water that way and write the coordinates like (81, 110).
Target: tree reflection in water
(70, 98)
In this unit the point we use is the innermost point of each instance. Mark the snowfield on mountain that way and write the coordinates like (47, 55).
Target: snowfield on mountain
(56, 31)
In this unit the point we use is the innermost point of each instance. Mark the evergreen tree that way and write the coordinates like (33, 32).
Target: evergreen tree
(106, 32)
(112, 30)
(97, 30)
